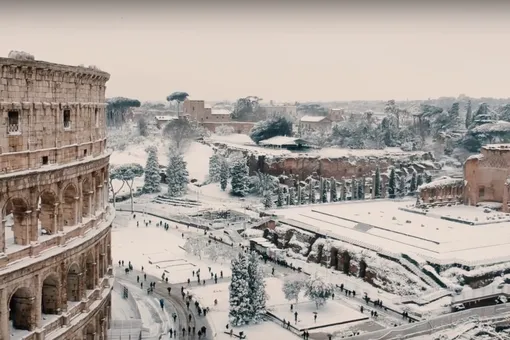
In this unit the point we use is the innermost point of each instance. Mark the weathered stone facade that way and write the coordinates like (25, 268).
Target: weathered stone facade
(486, 178)
(55, 243)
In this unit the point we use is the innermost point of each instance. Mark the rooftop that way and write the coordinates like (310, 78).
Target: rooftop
(496, 146)
(312, 119)
(397, 227)
(283, 140)
(220, 111)
(165, 118)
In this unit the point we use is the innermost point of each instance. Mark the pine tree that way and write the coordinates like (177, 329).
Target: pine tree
(354, 189)
(392, 185)
(402, 186)
(333, 196)
(279, 198)
(292, 196)
(224, 172)
(267, 200)
(412, 185)
(377, 183)
(361, 189)
(257, 287)
(240, 312)
(176, 174)
(324, 190)
(299, 195)
(419, 180)
(344, 191)
(454, 116)
(152, 178)
(215, 162)
(239, 181)
(469, 115)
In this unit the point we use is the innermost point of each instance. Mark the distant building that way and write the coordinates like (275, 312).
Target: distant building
(290, 110)
(163, 120)
(314, 123)
(337, 115)
(198, 111)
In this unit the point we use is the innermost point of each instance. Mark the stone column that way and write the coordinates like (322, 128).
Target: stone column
(2, 239)
(56, 226)
(4, 315)
(37, 309)
(29, 229)
(105, 194)
(93, 209)
(504, 208)
(77, 215)
(80, 200)
(91, 206)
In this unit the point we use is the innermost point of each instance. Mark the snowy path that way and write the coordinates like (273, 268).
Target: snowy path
(173, 303)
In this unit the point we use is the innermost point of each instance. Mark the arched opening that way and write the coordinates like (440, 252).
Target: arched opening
(86, 198)
(73, 283)
(346, 262)
(21, 309)
(90, 277)
(47, 217)
(362, 269)
(89, 332)
(15, 221)
(50, 295)
(334, 258)
(101, 323)
(98, 196)
(69, 205)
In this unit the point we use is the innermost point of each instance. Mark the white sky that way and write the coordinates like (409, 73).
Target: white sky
(275, 52)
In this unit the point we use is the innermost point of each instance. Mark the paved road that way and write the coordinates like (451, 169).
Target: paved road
(174, 300)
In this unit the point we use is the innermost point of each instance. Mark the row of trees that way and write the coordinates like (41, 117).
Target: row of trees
(247, 290)
(221, 169)
(314, 287)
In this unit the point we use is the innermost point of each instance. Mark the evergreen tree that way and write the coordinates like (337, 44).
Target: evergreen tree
(240, 312)
(257, 287)
(239, 181)
(279, 198)
(454, 116)
(392, 185)
(333, 196)
(215, 162)
(224, 173)
(324, 190)
(361, 189)
(176, 174)
(428, 178)
(377, 185)
(482, 115)
(354, 189)
(267, 200)
(402, 186)
(419, 180)
(344, 191)
(299, 195)
(292, 196)
(152, 178)
(412, 186)
(469, 114)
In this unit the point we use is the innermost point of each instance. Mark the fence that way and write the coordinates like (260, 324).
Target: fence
(438, 323)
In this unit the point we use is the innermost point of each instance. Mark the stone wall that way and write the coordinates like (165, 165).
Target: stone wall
(239, 127)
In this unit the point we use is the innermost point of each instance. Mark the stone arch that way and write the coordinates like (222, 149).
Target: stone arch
(90, 273)
(73, 282)
(334, 258)
(89, 332)
(50, 295)
(47, 205)
(362, 269)
(87, 194)
(15, 215)
(22, 309)
(98, 196)
(346, 262)
(70, 201)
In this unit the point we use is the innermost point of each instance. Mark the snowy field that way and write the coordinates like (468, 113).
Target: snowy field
(382, 225)
(142, 245)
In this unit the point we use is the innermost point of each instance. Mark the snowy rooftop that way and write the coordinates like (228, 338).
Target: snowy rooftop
(383, 226)
(499, 126)
(312, 119)
(283, 140)
(220, 111)
(244, 142)
(442, 182)
(497, 146)
(165, 118)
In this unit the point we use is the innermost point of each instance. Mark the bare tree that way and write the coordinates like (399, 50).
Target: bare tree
(180, 132)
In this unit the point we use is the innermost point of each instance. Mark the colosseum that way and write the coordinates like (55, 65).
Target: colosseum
(55, 253)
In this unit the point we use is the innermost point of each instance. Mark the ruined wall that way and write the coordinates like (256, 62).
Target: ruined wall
(239, 127)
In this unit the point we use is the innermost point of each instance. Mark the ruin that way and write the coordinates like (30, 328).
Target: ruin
(55, 254)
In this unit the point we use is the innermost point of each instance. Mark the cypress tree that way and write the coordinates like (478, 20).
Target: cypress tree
(239, 181)
(377, 183)
(279, 197)
(402, 186)
(224, 172)
(257, 288)
(419, 180)
(333, 196)
(361, 189)
(152, 178)
(324, 190)
(344, 191)
(176, 174)
(392, 185)
(469, 115)
(412, 186)
(241, 311)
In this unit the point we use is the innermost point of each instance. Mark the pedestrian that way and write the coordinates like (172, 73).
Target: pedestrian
(170, 332)
(272, 271)
(189, 281)
(221, 274)
(193, 273)
(142, 268)
(187, 304)
(137, 279)
(141, 285)
(169, 289)
(291, 307)
(315, 318)
(295, 316)
(166, 279)
(145, 277)
(183, 331)
(215, 280)
(333, 296)
(199, 334)
(174, 316)
(189, 329)
(189, 317)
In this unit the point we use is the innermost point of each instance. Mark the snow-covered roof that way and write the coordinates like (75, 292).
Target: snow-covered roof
(497, 146)
(165, 118)
(499, 126)
(283, 140)
(441, 182)
(220, 112)
(312, 119)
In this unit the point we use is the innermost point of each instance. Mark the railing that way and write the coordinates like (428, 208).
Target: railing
(13, 128)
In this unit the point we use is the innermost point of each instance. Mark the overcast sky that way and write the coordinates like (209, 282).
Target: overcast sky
(283, 52)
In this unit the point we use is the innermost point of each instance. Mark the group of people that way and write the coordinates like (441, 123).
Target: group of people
(214, 276)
